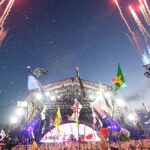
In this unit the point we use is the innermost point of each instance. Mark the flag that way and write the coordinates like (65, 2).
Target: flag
(76, 110)
(57, 120)
(34, 145)
(103, 104)
(119, 80)
(32, 112)
(96, 121)
(32, 83)
(43, 117)
(106, 100)
(2, 134)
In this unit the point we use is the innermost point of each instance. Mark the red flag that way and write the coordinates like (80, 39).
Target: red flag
(104, 131)
(89, 136)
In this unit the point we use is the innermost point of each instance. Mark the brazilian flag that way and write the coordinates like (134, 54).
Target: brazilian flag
(119, 80)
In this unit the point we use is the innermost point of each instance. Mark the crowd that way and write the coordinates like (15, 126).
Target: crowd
(131, 145)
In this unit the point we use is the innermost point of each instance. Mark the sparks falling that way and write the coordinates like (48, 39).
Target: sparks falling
(139, 24)
(2, 1)
(145, 15)
(144, 11)
(3, 30)
(133, 36)
(6, 13)
(123, 18)
(147, 7)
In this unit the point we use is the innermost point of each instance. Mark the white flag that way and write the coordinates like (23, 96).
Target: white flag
(2, 134)
(76, 110)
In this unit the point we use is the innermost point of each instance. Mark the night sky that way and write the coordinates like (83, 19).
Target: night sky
(62, 34)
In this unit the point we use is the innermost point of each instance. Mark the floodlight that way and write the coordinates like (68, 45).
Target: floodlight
(20, 112)
(14, 120)
(38, 96)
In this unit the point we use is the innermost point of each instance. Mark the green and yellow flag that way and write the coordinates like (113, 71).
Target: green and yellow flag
(57, 120)
(119, 80)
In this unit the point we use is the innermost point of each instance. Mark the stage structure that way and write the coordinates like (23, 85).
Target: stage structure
(63, 93)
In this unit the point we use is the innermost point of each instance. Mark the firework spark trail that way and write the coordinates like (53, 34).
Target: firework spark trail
(3, 31)
(144, 11)
(6, 13)
(135, 40)
(123, 18)
(145, 15)
(147, 7)
(3, 34)
(135, 43)
(143, 6)
(2, 1)
(139, 24)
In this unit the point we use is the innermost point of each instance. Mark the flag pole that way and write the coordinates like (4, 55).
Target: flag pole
(27, 125)
(78, 129)
(112, 117)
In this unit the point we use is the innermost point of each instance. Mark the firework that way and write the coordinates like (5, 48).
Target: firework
(2, 1)
(3, 31)
(143, 9)
(133, 38)
(139, 24)
(3, 34)
(6, 13)
(145, 15)
(123, 18)
(147, 7)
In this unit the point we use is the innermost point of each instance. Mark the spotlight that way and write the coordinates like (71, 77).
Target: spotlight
(56, 91)
(14, 120)
(38, 96)
(22, 104)
(120, 102)
(131, 117)
(107, 94)
(52, 97)
(47, 93)
(91, 97)
(20, 112)
(98, 98)
(58, 97)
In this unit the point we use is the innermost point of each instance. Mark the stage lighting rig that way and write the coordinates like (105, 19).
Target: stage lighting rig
(147, 70)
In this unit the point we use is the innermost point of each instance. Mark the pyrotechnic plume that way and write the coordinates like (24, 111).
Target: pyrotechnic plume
(134, 38)
(139, 24)
(147, 7)
(145, 58)
(145, 53)
(2, 1)
(148, 49)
